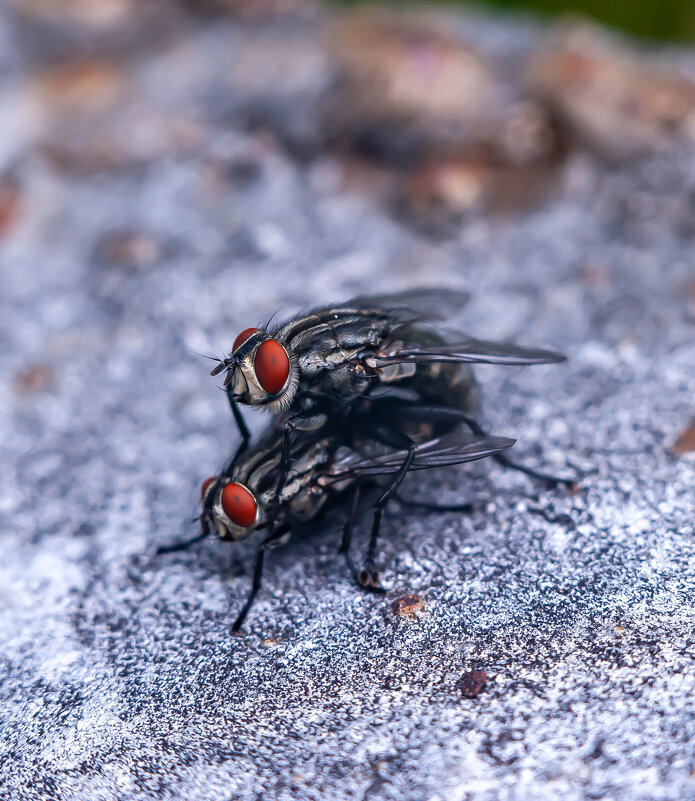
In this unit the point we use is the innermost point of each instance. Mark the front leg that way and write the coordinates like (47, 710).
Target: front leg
(288, 430)
(243, 431)
(294, 423)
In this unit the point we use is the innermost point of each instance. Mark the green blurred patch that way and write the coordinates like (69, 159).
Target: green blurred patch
(659, 19)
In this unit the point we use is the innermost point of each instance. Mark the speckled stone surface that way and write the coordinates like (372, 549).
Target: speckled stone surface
(119, 678)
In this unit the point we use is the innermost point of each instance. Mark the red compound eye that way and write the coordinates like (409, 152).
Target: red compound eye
(205, 486)
(243, 336)
(272, 366)
(239, 505)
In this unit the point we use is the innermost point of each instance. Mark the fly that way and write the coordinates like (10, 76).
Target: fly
(318, 365)
(341, 352)
(325, 467)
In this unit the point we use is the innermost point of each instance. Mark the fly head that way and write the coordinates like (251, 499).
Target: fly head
(260, 371)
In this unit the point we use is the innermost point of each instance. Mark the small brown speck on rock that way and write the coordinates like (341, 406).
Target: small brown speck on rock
(131, 250)
(36, 378)
(593, 275)
(472, 683)
(408, 605)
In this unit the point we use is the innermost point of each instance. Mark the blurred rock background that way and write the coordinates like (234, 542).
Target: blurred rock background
(173, 172)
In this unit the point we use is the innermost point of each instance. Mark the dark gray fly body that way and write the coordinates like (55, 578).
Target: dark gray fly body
(364, 393)
(321, 364)
(325, 467)
(335, 354)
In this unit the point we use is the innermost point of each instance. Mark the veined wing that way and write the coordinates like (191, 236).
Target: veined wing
(427, 303)
(445, 451)
(466, 349)
(424, 303)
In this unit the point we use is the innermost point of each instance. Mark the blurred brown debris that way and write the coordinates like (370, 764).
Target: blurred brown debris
(251, 9)
(686, 440)
(129, 250)
(93, 13)
(36, 378)
(403, 84)
(445, 187)
(80, 86)
(511, 170)
(613, 101)
(461, 135)
(10, 204)
(94, 115)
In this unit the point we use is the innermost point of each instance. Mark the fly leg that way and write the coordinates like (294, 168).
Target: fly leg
(288, 430)
(369, 577)
(505, 461)
(444, 414)
(181, 546)
(435, 507)
(226, 471)
(243, 431)
(271, 541)
(293, 424)
(347, 533)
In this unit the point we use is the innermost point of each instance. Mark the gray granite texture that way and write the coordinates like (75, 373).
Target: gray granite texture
(144, 224)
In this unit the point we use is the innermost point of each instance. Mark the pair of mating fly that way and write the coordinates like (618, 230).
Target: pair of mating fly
(363, 393)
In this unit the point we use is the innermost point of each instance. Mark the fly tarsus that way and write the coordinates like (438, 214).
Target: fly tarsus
(183, 545)
(273, 539)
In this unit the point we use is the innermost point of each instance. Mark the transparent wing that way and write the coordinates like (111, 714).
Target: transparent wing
(439, 452)
(426, 303)
(466, 349)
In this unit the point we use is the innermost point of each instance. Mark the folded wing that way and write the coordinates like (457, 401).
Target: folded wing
(426, 303)
(466, 349)
(445, 451)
